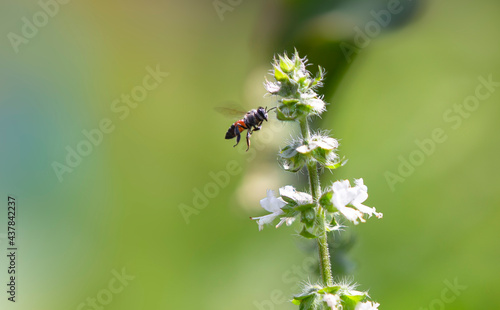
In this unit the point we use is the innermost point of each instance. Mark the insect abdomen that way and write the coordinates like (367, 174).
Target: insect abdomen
(231, 131)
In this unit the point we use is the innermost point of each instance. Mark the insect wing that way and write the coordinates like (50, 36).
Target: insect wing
(231, 111)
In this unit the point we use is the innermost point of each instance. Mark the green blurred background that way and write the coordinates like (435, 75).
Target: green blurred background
(119, 209)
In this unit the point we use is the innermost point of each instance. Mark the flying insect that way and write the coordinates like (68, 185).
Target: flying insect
(252, 121)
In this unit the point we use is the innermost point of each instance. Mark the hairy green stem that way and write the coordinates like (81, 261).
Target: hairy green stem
(312, 169)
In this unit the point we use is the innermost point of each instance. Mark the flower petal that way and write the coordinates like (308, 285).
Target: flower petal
(333, 301)
(360, 191)
(327, 143)
(351, 214)
(271, 203)
(266, 219)
(365, 209)
(272, 87)
(300, 198)
(367, 306)
(287, 220)
(344, 194)
(303, 149)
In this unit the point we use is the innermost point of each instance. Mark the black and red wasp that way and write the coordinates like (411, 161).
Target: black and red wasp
(252, 121)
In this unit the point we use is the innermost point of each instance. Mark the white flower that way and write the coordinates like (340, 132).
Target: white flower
(300, 198)
(367, 306)
(287, 220)
(273, 205)
(344, 194)
(317, 105)
(317, 141)
(332, 301)
(271, 87)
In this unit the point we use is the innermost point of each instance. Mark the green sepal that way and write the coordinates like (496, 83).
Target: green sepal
(289, 200)
(284, 117)
(286, 64)
(326, 201)
(308, 303)
(308, 217)
(291, 163)
(288, 152)
(290, 214)
(305, 207)
(293, 167)
(308, 298)
(298, 60)
(333, 222)
(349, 302)
(280, 75)
(329, 207)
(329, 290)
(306, 83)
(319, 77)
(304, 233)
(321, 155)
(297, 299)
(326, 197)
(289, 102)
(304, 108)
(289, 211)
(335, 165)
(309, 291)
(303, 81)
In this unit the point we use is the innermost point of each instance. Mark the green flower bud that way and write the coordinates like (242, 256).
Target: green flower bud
(338, 296)
(286, 64)
(280, 76)
(319, 148)
(290, 159)
(295, 85)
(287, 113)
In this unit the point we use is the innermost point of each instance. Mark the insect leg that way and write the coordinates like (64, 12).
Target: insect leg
(237, 133)
(249, 133)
